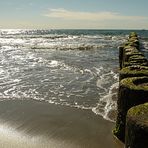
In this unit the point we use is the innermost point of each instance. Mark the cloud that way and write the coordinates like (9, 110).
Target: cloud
(89, 16)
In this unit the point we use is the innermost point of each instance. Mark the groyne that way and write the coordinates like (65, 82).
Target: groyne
(132, 116)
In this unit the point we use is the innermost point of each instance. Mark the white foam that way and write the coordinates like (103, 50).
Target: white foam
(107, 103)
(16, 50)
(54, 63)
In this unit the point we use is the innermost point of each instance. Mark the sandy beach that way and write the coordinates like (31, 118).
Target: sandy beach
(30, 124)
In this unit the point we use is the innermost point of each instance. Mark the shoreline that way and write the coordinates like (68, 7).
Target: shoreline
(29, 123)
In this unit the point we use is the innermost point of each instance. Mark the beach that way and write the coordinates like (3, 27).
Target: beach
(29, 123)
(61, 68)
(58, 88)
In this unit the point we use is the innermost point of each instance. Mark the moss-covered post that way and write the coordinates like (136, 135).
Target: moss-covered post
(132, 91)
(137, 127)
(133, 71)
(130, 48)
(133, 82)
(130, 52)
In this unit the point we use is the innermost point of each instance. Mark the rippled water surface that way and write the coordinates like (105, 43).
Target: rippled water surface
(77, 68)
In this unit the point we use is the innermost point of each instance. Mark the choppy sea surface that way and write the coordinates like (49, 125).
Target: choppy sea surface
(76, 68)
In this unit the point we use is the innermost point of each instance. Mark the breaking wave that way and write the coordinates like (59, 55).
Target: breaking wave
(71, 68)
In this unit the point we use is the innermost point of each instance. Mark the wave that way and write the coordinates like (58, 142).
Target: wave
(81, 76)
(107, 105)
(69, 47)
(16, 88)
(46, 44)
(32, 75)
(23, 31)
(46, 39)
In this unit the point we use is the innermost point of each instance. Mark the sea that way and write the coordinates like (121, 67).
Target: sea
(75, 68)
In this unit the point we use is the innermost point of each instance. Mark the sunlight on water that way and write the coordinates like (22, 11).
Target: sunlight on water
(10, 138)
(72, 68)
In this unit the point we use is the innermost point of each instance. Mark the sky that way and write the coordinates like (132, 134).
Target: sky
(74, 14)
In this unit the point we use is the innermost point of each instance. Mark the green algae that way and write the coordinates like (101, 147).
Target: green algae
(133, 88)
(130, 54)
(135, 63)
(137, 127)
(132, 44)
(135, 83)
(133, 34)
(132, 91)
(133, 71)
(118, 130)
(134, 39)
(139, 110)
(137, 56)
(130, 49)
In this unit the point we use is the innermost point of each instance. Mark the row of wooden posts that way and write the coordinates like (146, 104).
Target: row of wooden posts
(132, 117)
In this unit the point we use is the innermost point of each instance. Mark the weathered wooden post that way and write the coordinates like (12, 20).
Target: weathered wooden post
(137, 127)
(133, 82)
(132, 91)
(133, 71)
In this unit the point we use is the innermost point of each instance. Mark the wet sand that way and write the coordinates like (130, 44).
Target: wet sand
(33, 124)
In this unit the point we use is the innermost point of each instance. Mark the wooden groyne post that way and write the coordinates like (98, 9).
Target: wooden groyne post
(133, 91)
(137, 127)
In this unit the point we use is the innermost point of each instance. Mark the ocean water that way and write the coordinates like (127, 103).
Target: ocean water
(76, 68)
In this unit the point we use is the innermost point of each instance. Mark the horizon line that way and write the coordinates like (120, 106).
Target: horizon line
(144, 29)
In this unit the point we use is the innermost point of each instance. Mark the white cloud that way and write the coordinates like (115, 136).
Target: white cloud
(89, 16)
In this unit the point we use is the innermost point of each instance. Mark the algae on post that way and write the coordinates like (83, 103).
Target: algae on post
(137, 127)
